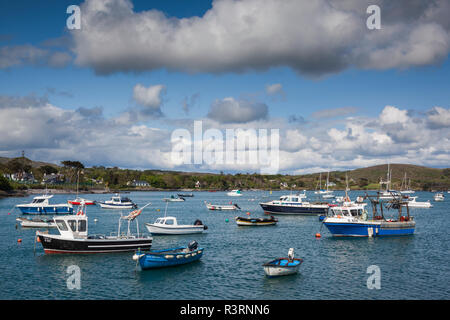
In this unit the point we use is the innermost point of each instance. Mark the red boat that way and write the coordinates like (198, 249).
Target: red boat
(78, 201)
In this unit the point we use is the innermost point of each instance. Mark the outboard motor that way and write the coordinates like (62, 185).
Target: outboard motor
(198, 222)
(193, 245)
(291, 254)
(237, 206)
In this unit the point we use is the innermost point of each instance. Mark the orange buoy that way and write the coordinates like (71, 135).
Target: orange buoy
(38, 240)
(318, 235)
(248, 213)
(19, 240)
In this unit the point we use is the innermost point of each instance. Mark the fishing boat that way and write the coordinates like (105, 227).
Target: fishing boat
(73, 236)
(439, 197)
(174, 199)
(117, 202)
(292, 204)
(412, 203)
(234, 193)
(169, 257)
(36, 223)
(41, 205)
(283, 266)
(353, 221)
(244, 221)
(231, 206)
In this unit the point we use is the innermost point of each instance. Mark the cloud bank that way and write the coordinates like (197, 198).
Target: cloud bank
(315, 38)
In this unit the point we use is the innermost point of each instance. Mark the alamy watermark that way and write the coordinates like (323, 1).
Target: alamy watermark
(248, 147)
(374, 280)
(74, 280)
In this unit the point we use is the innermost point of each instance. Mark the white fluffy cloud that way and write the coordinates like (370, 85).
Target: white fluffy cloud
(50, 133)
(313, 37)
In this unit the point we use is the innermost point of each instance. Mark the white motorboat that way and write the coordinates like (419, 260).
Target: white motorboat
(293, 204)
(234, 193)
(170, 226)
(219, 207)
(439, 197)
(117, 202)
(174, 199)
(412, 203)
(36, 223)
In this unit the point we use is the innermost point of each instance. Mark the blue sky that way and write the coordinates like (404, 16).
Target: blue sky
(361, 88)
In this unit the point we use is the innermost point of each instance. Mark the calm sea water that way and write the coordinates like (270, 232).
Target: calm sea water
(412, 267)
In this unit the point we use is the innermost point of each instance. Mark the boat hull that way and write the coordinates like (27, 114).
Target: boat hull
(117, 206)
(46, 210)
(167, 258)
(178, 230)
(27, 223)
(56, 244)
(290, 209)
(282, 267)
(255, 222)
(370, 229)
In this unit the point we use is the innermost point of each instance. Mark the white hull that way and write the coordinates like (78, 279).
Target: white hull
(273, 271)
(116, 206)
(174, 230)
(220, 207)
(25, 223)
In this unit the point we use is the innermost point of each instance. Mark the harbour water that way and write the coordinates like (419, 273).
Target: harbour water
(411, 267)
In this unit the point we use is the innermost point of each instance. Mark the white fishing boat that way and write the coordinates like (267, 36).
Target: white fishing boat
(412, 203)
(283, 266)
(439, 197)
(73, 236)
(231, 206)
(234, 193)
(117, 202)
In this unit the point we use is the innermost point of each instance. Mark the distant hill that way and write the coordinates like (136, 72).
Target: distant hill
(421, 178)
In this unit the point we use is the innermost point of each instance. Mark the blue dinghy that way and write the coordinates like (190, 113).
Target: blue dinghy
(169, 257)
(283, 266)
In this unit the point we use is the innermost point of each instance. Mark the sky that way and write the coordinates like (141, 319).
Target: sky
(336, 94)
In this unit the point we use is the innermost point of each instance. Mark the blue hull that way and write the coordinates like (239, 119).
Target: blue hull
(168, 258)
(362, 230)
(46, 210)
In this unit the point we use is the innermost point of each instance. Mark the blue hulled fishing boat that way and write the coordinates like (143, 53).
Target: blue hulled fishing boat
(41, 205)
(352, 220)
(169, 257)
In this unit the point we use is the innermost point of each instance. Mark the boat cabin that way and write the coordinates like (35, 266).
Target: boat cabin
(41, 199)
(289, 199)
(350, 211)
(72, 227)
(169, 221)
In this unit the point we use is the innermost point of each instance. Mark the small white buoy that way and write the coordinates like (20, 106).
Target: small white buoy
(95, 220)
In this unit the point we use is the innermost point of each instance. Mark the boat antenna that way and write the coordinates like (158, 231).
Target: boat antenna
(165, 211)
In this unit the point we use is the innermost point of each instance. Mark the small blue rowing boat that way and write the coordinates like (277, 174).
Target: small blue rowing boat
(283, 266)
(169, 257)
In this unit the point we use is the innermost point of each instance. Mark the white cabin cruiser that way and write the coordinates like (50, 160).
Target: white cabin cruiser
(293, 204)
(117, 202)
(170, 226)
(234, 193)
